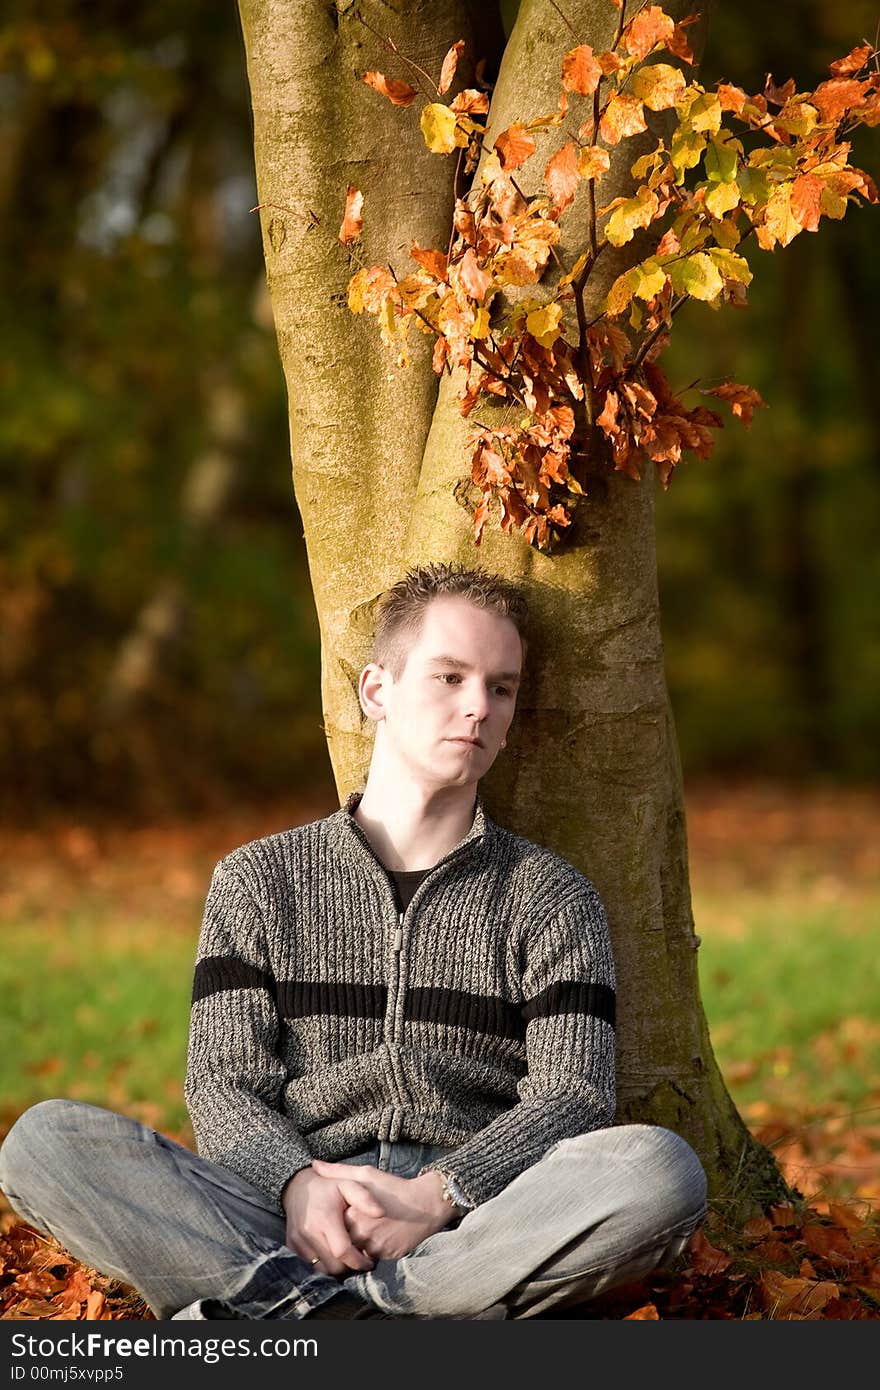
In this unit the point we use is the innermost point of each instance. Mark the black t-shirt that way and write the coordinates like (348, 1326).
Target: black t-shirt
(405, 882)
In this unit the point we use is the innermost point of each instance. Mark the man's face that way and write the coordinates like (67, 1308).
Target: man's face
(448, 712)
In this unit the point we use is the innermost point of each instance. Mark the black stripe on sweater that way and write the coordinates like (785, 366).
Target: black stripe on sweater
(455, 1008)
(478, 1013)
(343, 998)
(573, 997)
(216, 973)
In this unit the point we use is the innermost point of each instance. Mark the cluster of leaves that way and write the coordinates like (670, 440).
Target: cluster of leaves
(731, 165)
(40, 1281)
(789, 1264)
(784, 1265)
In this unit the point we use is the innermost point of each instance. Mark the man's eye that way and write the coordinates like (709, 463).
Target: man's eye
(448, 676)
(503, 689)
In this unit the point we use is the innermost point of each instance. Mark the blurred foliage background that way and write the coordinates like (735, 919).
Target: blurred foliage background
(158, 642)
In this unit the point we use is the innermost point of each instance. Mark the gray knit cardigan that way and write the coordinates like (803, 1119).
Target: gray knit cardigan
(323, 1020)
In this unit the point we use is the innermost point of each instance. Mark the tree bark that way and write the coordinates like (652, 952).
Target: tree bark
(592, 766)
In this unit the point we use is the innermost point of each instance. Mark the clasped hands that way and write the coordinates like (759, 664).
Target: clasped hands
(342, 1217)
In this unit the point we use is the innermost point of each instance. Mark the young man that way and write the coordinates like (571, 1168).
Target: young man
(401, 1055)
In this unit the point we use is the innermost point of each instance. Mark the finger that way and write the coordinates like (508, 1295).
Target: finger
(341, 1249)
(361, 1199)
(306, 1253)
(356, 1172)
(361, 1230)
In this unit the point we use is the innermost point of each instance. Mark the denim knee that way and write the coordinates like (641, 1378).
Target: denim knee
(674, 1175)
(31, 1134)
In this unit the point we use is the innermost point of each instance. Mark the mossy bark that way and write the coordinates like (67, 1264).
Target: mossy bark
(378, 453)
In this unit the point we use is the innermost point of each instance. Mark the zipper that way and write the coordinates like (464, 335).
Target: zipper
(396, 948)
(394, 1007)
(394, 993)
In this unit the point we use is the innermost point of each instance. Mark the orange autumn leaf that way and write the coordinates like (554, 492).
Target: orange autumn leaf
(828, 1242)
(480, 516)
(853, 62)
(353, 221)
(732, 98)
(450, 63)
(786, 1299)
(607, 421)
(647, 1313)
(470, 102)
(95, 1305)
(837, 95)
(744, 401)
(806, 200)
(678, 42)
(429, 259)
(580, 71)
(704, 1258)
(398, 93)
(623, 116)
(561, 176)
(609, 62)
(845, 1217)
(784, 1214)
(474, 279)
(650, 26)
(76, 1290)
(757, 1227)
(515, 145)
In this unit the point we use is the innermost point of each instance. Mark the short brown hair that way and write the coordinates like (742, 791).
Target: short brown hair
(402, 607)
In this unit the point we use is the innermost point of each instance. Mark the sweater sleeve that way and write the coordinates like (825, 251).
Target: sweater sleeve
(568, 986)
(234, 1076)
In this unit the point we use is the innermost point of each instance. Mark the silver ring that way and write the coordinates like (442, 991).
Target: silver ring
(314, 1262)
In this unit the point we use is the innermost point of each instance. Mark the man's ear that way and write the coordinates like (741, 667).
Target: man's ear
(373, 686)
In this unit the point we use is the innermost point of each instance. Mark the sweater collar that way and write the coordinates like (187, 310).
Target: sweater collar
(346, 834)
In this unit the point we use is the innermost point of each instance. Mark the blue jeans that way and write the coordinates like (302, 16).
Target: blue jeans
(598, 1210)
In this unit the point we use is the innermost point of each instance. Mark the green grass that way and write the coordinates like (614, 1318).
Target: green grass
(791, 990)
(98, 1010)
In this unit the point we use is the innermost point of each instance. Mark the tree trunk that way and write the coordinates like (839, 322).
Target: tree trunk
(592, 767)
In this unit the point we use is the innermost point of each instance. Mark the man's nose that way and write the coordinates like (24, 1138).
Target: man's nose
(477, 702)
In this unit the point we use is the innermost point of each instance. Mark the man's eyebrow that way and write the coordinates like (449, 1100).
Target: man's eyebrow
(463, 666)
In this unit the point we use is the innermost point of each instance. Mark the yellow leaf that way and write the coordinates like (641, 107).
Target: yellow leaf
(721, 198)
(686, 150)
(480, 327)
(543, 324)
(386, 323)
(438, 125)
(621, 292)
(731, 266)
(593, 162)
(659, 85)
(575, 270)
(651, 278)
(797, 118)
(727, 234)
(697, 275)
(700, 110)
(632, 213)
(356, 286)
(780, 223)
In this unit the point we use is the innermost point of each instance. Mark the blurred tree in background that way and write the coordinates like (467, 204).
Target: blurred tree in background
(769, 577)
(158, 641)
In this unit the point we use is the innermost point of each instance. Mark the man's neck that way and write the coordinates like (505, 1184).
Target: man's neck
(410, 828)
